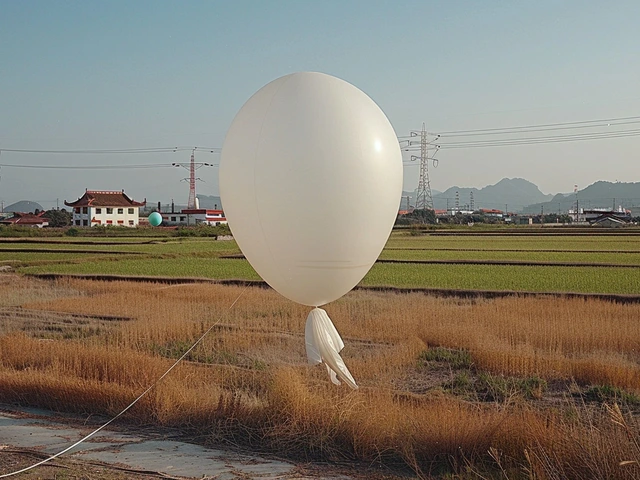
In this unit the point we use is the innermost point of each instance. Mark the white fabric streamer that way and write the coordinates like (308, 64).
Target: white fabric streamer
(324, 344)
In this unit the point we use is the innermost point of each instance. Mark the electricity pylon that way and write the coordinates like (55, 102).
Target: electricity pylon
(424, 198)
(192, 166)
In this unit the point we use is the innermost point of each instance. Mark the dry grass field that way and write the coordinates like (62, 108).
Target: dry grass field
(517, 388)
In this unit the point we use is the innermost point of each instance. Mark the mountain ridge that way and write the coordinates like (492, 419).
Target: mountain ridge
(512, 194)
(601, 194)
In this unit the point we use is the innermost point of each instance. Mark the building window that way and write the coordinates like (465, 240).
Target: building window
(120, 222)
(109, 211)
(85, 223)
(173, 219)
(120, 211)
(109, 222)
(98, 210)
(77, 209)
(131, 222)
(85, 210)
(78, 222)
(130, 211)
(182, 219)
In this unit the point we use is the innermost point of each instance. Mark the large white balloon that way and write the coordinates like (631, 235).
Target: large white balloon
(310, 182)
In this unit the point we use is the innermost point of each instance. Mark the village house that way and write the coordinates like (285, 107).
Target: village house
(105, 207)
(26, 220)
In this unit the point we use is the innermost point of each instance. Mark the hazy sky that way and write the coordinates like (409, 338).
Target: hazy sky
(137, 74)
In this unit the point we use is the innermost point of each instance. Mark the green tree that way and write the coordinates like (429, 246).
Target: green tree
(58, 218)
(420, 216)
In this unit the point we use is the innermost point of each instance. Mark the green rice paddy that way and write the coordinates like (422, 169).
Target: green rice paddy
(200, 257)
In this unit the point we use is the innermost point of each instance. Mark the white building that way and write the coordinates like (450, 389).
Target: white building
(194, 217)
(105, 207)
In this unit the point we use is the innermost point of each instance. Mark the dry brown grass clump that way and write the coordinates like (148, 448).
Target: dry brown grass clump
(248, 384)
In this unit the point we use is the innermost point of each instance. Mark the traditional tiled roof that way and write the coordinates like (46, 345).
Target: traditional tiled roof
(105, 198)
(26, 219)
(610, 217)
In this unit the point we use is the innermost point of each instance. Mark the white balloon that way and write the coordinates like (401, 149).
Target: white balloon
(310, 182)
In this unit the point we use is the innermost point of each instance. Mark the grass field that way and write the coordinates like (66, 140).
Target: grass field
(447, 386)
(519, 387)
(507, 277)
(195, 257)
(513, 241)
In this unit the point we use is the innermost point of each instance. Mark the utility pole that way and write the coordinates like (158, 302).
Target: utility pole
(575, 190)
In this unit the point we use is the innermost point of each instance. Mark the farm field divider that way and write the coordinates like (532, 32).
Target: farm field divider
(437, 292)
(509, 262)
(512, 250)
(529, 263)
(72, 241)
(539, 231)
(69, 250)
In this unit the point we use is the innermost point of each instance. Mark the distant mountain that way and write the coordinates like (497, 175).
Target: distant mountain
(23, 206)
(598, 195)
(512, 194)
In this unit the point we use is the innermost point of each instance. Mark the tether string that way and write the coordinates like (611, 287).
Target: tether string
(131, 404)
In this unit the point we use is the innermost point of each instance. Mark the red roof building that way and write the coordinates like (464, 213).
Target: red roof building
(27, 220)
(105, 207)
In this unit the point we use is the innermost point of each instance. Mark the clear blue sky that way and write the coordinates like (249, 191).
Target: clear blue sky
(133, 74)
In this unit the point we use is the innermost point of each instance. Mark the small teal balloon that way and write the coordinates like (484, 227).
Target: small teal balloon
(155, 219)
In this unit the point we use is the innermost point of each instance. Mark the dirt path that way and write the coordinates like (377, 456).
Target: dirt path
(28, 436)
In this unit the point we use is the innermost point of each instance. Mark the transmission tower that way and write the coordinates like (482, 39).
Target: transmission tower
(192, 166)
(424, 198)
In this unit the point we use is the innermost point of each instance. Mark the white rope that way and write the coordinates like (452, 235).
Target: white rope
(52, 457)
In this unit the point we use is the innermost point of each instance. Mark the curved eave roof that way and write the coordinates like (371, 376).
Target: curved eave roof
(104, 198)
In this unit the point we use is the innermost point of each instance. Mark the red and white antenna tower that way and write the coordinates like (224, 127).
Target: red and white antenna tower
(192, 182)
(192, 166)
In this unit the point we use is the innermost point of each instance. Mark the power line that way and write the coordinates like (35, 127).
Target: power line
(543, 129)
(123, 151)
(113, 151)
(539, 140)
(560, 124)
(90, 167)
